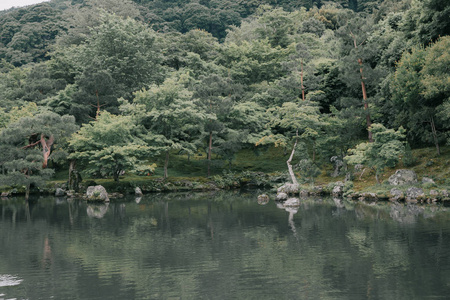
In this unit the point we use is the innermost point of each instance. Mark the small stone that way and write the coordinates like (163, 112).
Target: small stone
(428, 180)
(263, 199)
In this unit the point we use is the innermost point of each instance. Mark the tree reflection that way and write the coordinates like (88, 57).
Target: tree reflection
(193, 246)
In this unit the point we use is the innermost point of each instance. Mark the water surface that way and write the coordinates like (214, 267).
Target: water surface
(222, 246)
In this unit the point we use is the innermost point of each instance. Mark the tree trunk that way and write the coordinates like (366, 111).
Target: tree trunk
(166, 165)
(291, 171)
(366, 104)
(314, 150)
(209, 153)
(364, 92)
(116, 176)
(46, 147)
(433, 129)
(73, 180)
(27, 191)
(301, 81)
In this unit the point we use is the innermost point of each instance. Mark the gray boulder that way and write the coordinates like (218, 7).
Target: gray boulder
(281, 196)
(396, 194)
(434, 194)
(59, 192)
(414, 193)
(338, 163)
(5, 194)
(97, 193)
(403, 176)
(338, 189)
(263, 199)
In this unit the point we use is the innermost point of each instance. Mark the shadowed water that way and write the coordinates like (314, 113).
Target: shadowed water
(222, 246)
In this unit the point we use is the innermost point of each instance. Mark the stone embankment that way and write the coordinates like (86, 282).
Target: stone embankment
(401, 186)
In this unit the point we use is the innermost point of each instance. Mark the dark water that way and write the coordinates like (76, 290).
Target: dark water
(222, 246)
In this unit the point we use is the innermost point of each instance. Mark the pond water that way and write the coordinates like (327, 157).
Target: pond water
(222, 246)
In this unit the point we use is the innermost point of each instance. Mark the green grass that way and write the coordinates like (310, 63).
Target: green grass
(427, 164)
(272, 159)
(267, 160)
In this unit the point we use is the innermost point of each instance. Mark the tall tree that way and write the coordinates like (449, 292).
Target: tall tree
(420, 86)
(27, 145)
(111, 145)
(170, 115)
(119, 57)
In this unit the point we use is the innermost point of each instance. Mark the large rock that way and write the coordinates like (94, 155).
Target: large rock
(445, 194)
(414, 193)
(338, 163)
(281, 196)
(338, 189)
(396, 194)
(97, 193)
(402, 177)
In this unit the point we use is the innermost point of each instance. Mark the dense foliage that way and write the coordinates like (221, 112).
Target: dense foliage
(148, 77)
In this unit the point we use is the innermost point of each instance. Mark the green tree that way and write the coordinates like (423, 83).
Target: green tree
(419, 88)
(27, 145)
(119, 57)
(216, 96)
(169, 114)
(291, 122)
(385, 151)
(111, 145)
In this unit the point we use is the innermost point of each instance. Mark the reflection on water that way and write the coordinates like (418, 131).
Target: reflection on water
(222, 246)
(9, 280)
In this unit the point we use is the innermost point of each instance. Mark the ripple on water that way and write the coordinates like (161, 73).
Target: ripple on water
(9, 280)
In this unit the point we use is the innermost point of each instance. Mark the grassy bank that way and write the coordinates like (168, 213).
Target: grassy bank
(264, 167)
(191, 171)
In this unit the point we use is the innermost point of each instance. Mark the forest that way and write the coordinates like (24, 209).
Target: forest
(114, 87)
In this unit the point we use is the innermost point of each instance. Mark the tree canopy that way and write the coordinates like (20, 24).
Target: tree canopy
(150, 79)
